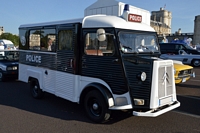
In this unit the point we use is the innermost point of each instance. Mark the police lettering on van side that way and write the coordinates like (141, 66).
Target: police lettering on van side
(33, 58)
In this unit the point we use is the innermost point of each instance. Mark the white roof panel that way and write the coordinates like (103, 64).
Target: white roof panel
(53, 23)
(100, 21)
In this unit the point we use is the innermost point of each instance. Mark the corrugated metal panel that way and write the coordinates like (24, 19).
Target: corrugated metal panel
(63, 61)
(139, 89)
(49, 80)
(104, 68)
(22, 73)
(65, 85)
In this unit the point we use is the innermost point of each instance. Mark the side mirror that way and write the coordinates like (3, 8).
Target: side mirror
(101, 35)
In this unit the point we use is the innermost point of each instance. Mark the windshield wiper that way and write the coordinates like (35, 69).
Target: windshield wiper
(127, 47)
(144, 46)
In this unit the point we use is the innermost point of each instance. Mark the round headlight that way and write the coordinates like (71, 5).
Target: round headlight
(143, 76)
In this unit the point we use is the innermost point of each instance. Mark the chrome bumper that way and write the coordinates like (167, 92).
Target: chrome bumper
(157, 112)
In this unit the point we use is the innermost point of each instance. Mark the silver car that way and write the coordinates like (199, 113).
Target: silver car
(185, 58)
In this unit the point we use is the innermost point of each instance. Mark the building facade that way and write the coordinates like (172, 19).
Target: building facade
(1, 30)
(196, 39)
(161, 21)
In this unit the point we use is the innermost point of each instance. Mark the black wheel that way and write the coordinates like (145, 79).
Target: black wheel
(36, 92)
(95, 106)
(196, 62)
(2, 77)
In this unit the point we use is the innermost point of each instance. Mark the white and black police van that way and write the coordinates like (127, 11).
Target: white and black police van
(105, 61)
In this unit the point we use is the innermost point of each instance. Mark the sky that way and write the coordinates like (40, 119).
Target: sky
(13, 13)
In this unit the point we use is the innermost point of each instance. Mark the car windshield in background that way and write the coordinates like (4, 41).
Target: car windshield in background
(10, 46)
(187, 46)
(9, 55)
(137, 43)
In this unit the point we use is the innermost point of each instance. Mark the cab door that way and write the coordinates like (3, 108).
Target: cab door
(100, 60)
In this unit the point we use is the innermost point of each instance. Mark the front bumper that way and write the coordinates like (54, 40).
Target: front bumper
(182, 79)
(158, 111)
(10, 74)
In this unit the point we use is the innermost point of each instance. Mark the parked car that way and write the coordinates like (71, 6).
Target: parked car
(185, 58)
(9, 64)
(7, 44)
(182, 73)
(174, 48)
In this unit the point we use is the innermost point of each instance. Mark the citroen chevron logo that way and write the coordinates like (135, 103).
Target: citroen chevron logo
(165, 77)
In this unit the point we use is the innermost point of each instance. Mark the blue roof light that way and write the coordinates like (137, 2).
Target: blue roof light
(126, 7)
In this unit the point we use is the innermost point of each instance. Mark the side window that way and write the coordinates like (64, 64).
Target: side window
(43, 40)
(99, 48)
(34, 40)
(179, 47)
(65, 39)
(48, 40)
(23, 44)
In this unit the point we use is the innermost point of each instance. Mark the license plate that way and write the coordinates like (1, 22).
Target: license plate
(165, 100)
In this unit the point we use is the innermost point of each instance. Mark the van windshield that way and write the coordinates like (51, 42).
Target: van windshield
(137, 43)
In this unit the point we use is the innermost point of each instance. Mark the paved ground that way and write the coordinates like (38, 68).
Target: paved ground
(20, 113)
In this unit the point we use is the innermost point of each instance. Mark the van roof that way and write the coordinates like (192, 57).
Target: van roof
(6, 41)
(114, 21)
(97, 21)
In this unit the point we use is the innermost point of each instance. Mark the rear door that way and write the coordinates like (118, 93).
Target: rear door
(65, 77)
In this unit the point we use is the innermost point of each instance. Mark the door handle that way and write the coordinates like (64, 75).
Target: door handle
(71, 63)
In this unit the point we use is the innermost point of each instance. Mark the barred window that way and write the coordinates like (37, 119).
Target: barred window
(65, 39)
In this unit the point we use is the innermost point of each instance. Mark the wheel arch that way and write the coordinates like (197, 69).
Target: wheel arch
(37, 92)
(99, 87)
(34, 78)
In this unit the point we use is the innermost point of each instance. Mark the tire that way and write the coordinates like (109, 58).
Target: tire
(36, 92)
(96, 107)
(196, 62)
(2, 77)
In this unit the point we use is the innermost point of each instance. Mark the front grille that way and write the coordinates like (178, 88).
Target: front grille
(184, 73)
(165, 78)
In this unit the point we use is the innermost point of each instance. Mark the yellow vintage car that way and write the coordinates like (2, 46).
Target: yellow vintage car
(182, 72)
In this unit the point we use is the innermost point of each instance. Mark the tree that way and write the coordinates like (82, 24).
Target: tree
(11, 37)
